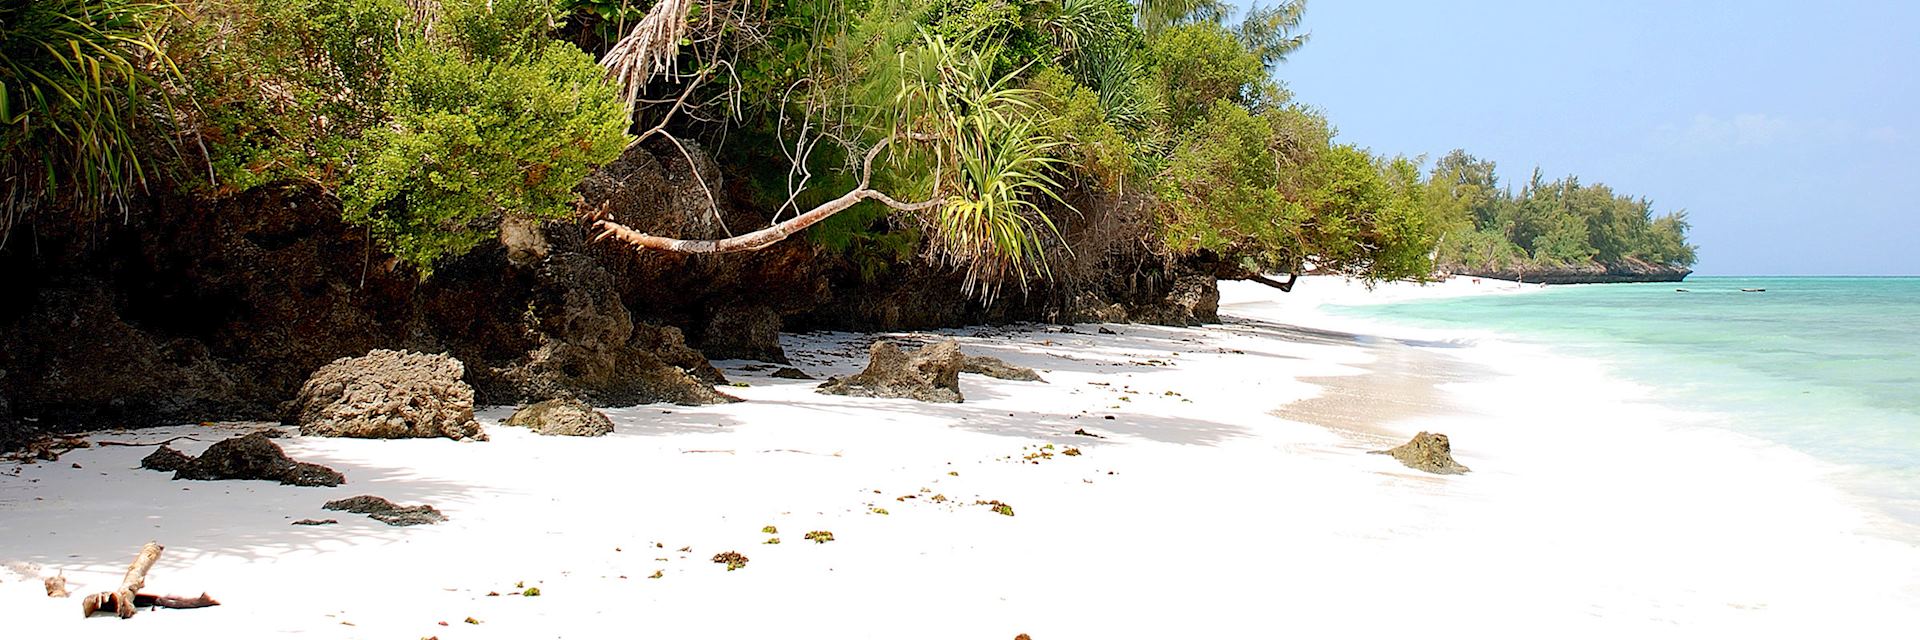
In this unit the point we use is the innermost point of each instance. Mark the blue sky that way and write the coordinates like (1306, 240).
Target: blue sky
(1786, 130)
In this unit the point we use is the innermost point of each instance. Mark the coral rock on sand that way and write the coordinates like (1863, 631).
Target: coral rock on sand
(166, 458)
(992, 367)
(248, 457)
(1429, 452)
(387, 394)
(386, 511)
(791, 373)
(562, 417)
(931, 374)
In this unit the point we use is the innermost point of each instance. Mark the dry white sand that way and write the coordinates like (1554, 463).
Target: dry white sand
(1200, 513)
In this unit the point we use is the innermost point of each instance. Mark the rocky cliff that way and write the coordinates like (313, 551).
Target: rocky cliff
(194, 309)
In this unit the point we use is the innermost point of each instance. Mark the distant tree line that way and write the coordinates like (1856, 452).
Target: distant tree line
(1546, 224)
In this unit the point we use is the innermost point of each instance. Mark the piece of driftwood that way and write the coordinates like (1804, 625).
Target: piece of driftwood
(110, 443)
(128, 599)
(174, 602)
(121, 600)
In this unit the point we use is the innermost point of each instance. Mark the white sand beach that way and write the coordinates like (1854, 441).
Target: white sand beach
(1226, 492)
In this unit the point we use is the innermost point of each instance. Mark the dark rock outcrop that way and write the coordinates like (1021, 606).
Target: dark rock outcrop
(562, 417)
(193, 308)
(992, 367)
(387, 394)
(1429, 452)
(249, 457)
(930, 374)
(744, 333)
(386, 511)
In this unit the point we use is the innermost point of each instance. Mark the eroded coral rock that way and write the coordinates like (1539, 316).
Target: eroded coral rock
(166, 458)
(930, 374)
(562, 417)
(386, 511)
(1429, 452)
(992, 367)
(387, 394)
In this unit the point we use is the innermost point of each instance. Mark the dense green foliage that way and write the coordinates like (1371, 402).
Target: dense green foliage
(965, 126)
(1548, 224)
(432, 124)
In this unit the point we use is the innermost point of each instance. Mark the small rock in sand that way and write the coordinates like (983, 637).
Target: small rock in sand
(791, 373)
(930, 374)
(992, 367)
(562, 417)
(166, 458)
(386, 511)
(249, 457)
(309, 522)
(1429, 452)
(56, 586)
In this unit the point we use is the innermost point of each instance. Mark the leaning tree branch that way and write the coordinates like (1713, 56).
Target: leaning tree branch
(1283, 286)
(765, 237)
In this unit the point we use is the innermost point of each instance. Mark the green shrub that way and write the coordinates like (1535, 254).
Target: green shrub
(487, 119)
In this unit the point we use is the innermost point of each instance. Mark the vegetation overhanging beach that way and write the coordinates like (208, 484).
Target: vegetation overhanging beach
(877, 318)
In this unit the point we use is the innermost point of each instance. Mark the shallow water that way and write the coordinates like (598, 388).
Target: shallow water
(1829, 366)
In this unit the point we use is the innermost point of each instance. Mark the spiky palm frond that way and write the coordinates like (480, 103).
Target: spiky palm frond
(1077, 24)
(649, 50)
(990, 160)
(1118, 78)
(1156, 15)
(75, 80)
(1273, 32)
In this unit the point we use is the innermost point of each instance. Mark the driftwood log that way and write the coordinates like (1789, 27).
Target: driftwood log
(128, 599)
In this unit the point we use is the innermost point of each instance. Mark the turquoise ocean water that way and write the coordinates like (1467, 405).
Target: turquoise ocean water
(1829, 366)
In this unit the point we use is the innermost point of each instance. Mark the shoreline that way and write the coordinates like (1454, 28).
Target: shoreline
(1198, 510)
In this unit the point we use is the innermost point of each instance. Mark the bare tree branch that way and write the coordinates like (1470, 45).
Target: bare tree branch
(765, 237)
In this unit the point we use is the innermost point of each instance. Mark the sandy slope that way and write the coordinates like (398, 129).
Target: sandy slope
(1204, 513)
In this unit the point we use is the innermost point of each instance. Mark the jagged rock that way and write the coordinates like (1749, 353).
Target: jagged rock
(254, 457)
(992, 367)
(745, 333)
(562, 417)
(790, 373)
(387, 394)
(669, 344)
(1429, 452)
(166, 458)
(931, 374)
(386, 511)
